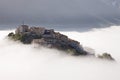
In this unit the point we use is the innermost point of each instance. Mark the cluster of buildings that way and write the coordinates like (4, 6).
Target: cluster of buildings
(49, 37)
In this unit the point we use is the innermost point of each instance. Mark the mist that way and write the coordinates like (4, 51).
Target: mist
(25, 62)
(102, 40)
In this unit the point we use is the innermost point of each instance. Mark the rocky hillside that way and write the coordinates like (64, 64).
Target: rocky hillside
(48, 38)
(51, 39)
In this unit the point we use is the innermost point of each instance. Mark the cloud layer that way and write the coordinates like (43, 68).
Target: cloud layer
(24, 62)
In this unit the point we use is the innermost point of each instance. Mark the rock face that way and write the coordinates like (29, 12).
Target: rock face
(48, 38)
(106, 56)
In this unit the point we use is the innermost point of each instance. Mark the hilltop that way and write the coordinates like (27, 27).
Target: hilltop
(51, 39)
(48, 38)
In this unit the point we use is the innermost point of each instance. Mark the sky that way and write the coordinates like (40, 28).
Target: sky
(60, 11)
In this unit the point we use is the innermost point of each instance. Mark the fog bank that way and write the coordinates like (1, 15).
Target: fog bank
(24, 62)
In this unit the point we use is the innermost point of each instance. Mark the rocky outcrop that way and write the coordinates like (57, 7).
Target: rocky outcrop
(106, 56)
(48, 38)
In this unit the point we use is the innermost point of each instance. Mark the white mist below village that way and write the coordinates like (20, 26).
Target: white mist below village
(24, 62)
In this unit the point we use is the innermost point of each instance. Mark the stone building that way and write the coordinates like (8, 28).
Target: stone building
(61, 36)
(22, 29)
(49, 33)
(39, 41)
(37, 30)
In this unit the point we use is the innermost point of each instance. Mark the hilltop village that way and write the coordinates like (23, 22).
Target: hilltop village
(48, 38)
(51, 39)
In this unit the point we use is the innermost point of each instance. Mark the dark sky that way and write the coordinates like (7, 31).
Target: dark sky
(59, 11)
